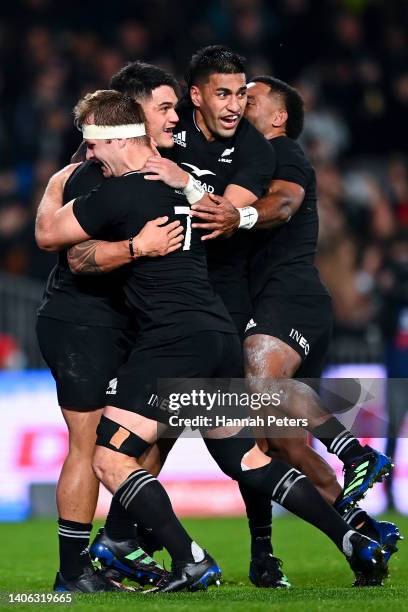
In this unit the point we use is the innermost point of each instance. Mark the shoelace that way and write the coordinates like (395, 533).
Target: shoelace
(275, 565)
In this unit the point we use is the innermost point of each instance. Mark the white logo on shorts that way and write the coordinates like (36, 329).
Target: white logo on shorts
(251, 323)
(111, 390)
(300, 339)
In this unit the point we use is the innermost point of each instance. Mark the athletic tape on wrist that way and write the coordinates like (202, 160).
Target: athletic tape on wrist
(193, 190)
(107, 132)
(248, 216)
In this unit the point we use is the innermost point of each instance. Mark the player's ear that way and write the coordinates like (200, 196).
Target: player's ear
(195, 95)
(279, 119)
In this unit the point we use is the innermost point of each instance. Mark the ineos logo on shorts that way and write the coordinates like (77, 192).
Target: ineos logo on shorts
(301, 340)
(111, 390)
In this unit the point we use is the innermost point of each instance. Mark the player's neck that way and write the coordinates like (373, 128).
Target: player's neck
(274, 132)
(134, 160)
(202, 126)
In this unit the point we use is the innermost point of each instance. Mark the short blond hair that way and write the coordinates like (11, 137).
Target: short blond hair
(109, 107)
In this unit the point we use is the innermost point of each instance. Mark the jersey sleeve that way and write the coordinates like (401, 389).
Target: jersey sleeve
(292, 167)
(256, 164)
(97, 210)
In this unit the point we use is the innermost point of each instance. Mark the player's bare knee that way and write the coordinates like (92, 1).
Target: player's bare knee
(254, 459)
(268, 357)
(105, 465)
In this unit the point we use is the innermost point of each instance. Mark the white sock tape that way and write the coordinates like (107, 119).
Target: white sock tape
(107, 132)
(193, 190)
(248, 217)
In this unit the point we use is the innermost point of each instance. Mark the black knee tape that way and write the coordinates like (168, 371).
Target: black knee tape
(228, 452)
(117, 438)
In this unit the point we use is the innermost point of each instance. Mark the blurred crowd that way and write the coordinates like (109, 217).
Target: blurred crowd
(347, 57)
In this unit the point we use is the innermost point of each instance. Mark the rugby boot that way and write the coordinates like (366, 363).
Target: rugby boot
(89, 581)
(385, 533)
(367, 560)
(126, 558)
(193, 576)
(360, 475)
(265, 572)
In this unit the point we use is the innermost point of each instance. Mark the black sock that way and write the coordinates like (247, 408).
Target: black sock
(73, 547)
(119, 524)
(296, 493)
(338, 440)
(259, 513)
(149, 505)
(147, 540)
(356, 517)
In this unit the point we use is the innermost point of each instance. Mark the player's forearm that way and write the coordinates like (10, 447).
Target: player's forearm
(98, 256)
(278, 205)
(273, 211)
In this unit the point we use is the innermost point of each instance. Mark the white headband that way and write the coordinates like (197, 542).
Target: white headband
(107, 132)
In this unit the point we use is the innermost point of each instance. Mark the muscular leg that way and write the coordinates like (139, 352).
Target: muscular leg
(272, 358)
(240, 458)
(77, 492)
(264, 355)
(137, 491)
(298, 453)
(77, 475)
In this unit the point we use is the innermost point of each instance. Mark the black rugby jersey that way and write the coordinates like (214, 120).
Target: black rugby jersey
(171, 296)
(283, 257)
(84, 300)
(246, 159)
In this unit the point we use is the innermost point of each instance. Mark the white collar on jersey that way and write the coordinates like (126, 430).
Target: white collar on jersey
(194, 120)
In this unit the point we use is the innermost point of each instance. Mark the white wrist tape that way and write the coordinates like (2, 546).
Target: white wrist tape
(193, 190)
(248, 217)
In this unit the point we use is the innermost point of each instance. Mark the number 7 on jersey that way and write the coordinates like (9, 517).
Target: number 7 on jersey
(185, 210)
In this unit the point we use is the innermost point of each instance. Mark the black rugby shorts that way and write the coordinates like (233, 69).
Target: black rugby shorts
(205, 355)
(302, 322)
(82, 360)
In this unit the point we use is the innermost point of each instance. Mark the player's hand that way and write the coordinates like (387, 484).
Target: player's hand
(165, 170)
(61, 177)
(156, 239)
(221, 217)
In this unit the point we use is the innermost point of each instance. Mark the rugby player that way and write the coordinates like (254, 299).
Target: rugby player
(83, 331)
(170, 344)
(286, 288)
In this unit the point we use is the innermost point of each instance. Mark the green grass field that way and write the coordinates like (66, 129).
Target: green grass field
(319, 574)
